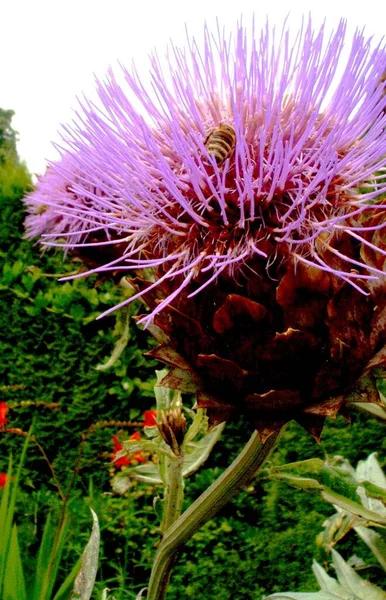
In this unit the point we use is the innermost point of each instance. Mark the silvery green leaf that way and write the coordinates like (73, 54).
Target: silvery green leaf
(336, 527)
(375, 541)
(370, 470)
(306, 596)
(84, 582)
(105, 596)
(357, 563)
(382, 397)
(148, 472)
(196, 453)
(166, 398)
(329, 584)
(374, 491)
(350, 580)
(121, 483)
(338, 475)
(373, 504)
(353, 507)
(348, 587)
(374, 409)
(152, 433)
(140, 595)
(311, 465)
(199, 421)
(157, 333)
(302, 483)
(142, 445)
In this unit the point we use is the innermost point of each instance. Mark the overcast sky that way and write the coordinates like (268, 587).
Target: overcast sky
(50, 49)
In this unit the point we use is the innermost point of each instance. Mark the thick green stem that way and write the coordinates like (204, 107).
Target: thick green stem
(239, 474)
(174, 493)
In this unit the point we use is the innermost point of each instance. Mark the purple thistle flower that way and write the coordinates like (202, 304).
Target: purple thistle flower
(307, 140)
(246, 182)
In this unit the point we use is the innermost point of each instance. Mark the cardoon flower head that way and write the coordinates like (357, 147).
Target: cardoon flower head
(247, 188)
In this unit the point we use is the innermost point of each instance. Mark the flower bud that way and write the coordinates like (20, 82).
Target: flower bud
(172, 428)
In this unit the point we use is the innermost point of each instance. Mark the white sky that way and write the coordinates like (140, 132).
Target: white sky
(50, 49)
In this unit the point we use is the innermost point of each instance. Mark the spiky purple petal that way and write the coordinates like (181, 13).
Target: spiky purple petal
(308, 164)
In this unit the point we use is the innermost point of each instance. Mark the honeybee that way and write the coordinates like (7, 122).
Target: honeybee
(220, 142)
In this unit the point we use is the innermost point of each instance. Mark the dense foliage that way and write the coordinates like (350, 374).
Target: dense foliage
(261, 542)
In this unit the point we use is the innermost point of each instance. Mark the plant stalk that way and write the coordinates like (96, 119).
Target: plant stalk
(174, 493)
(238, 475)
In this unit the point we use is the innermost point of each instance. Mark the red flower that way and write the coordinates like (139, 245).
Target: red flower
(123, 461)
(136, 436)
(3, 476)
(3, 413)
(150, 417)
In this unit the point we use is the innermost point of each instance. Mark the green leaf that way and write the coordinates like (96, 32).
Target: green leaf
(77, 311)
(50, 553)
(196, 453)
(84, 582)
(147, 472)
(329, 584)
(311, 465)
(121, 483)
(307, 596)
(348, 587)
(181, 380)
(350, 580)
(105, 596)
(200, 421)
(370, 470)
(7, 509)
(14, 584)
(374, 409)
(354, 507)
(375, 542)
(130, 446)
(123, 322)
(166, 397)
(301, 483)
(336, 527)
(338, 484)
(375, 491)
(64, 591)
(17, 268)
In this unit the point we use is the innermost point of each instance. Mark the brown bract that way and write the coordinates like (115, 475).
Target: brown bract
(277, 346)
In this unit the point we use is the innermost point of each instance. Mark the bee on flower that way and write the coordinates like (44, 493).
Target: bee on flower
(267, 266)
(220, 142)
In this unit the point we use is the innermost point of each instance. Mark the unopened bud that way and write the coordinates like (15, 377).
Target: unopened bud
(172, 428)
